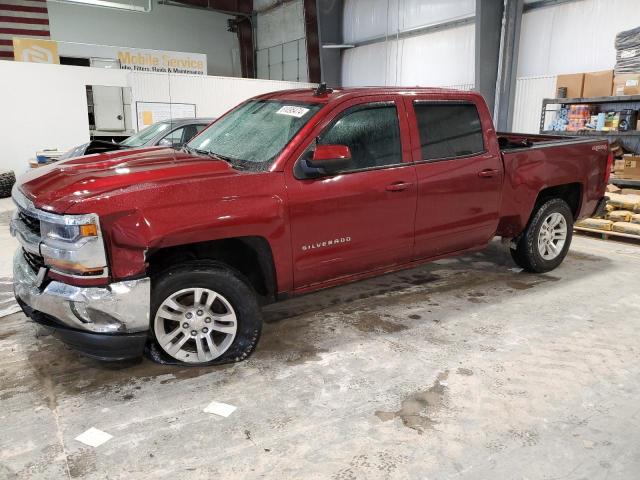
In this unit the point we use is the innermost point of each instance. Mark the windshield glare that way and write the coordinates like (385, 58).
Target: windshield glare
(256, 132)
(143, 136)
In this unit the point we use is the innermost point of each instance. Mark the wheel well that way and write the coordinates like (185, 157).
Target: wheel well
(251, 256)
(570, 193)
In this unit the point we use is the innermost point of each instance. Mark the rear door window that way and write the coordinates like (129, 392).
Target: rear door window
(448, 129)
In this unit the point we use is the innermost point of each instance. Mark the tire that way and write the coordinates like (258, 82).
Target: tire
(7, 180)
(533, 252)
(205, 333)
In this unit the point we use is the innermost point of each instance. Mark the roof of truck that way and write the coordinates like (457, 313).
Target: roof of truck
(308, 94)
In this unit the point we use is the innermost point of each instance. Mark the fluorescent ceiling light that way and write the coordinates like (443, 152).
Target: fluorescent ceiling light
(106, 4)
(335, 45)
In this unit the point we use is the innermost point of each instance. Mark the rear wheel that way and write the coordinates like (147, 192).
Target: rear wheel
(204, 313)
(546, 240)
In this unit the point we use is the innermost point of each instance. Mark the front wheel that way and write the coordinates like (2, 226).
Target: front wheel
(547, 238)
(204, 313)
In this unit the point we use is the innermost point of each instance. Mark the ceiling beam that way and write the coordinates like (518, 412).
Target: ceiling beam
(232, 7)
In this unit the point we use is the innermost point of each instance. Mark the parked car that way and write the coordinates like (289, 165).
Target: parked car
(288, 193)
(169, 133)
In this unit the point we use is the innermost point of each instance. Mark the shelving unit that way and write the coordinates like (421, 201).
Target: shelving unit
(630, 139)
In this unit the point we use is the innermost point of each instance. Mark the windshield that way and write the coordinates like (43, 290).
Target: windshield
(143, 136)
(253, 134)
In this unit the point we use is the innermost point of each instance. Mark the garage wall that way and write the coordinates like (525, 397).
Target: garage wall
(281, 49)
(437, 59)
(365, 19)
(164, 28)
(440, 58)
(213, 96)
(574, 37)
(53, 113)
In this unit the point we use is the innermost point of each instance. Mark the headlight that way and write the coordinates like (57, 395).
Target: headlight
(68, 233)
(73, 244)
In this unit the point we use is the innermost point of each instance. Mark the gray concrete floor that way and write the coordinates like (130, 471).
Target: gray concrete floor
(463, 368)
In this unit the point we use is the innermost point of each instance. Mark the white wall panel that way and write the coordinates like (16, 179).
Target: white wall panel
(49, 113)
(213, 96)
(436, 59)
(528, 102)
(364, 19)
(574, 37)
(53, 113)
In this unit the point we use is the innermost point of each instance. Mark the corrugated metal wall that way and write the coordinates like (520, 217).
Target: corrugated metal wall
(528, 103)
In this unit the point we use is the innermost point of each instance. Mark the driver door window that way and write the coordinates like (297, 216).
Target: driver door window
(371, 132)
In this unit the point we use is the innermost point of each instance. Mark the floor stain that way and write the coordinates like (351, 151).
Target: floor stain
(417, 409)
(518, 285)
(370, 322)
(81, 463)
(291, 344)
(583, 256)
(5, 335)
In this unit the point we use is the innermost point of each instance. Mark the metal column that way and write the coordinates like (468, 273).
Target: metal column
(488, 21)
(510, 43)
(330, 33)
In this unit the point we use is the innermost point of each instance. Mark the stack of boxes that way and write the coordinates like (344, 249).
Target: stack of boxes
(628, 167)
(622, 81)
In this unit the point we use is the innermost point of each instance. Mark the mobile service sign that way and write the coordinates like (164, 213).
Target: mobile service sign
(161, 61)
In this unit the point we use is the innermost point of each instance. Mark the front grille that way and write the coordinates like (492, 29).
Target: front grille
(34, 261)
(32, 223)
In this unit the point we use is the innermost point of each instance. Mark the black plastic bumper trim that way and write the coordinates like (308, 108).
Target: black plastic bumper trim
(101, 346)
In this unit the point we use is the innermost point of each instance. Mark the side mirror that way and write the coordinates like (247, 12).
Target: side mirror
(329, 159)
(165, 142)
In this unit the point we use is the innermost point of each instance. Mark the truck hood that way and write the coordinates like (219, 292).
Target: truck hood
(60, 186)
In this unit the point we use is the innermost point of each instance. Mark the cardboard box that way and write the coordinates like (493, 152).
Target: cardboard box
(618, 166)
(598, 84)
(631, 167)
(626, 84)
(573, 82)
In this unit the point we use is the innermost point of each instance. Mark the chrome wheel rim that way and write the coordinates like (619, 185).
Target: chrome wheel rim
(552, 236)
(195, 325)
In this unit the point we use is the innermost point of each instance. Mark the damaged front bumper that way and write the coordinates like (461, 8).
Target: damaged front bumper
(109, 323)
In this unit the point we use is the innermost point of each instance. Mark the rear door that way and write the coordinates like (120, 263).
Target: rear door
(459, 172)
(362, 218)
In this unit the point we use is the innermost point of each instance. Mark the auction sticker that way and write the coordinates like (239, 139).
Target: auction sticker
(293, 111)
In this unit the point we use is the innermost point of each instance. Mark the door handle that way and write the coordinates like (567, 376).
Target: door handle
(397, 187)
(489, 172)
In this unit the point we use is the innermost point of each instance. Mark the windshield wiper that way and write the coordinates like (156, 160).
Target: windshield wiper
(216, 156)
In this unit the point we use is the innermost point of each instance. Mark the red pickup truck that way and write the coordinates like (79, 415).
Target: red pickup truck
(288, 193)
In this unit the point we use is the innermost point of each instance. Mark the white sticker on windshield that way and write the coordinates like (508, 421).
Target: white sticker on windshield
(293, 111)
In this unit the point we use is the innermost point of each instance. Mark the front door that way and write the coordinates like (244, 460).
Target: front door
(459, 176)
(362, 218)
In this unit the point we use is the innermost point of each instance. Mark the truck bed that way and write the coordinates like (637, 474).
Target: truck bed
(534, 163)
(512, 141)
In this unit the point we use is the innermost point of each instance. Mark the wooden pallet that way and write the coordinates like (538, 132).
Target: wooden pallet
(606, 234)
